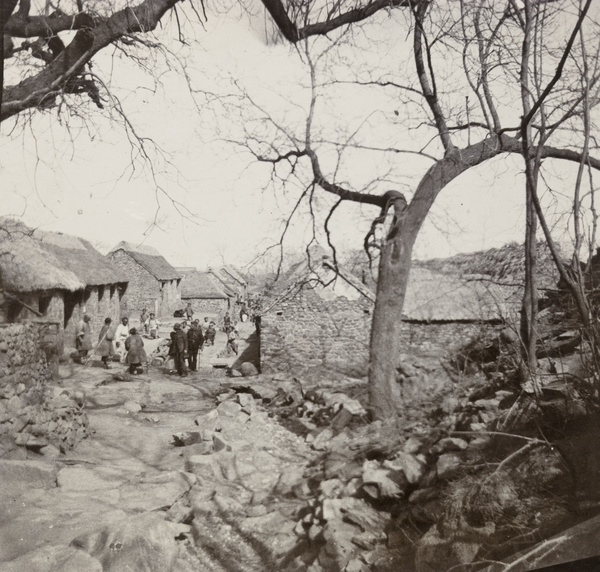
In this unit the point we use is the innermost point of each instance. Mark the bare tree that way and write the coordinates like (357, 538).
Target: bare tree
(494, 43)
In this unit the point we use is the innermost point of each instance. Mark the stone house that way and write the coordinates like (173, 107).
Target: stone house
(319, 319)
(56, 277)
(233, 282)
(206, 294)
(153, 283)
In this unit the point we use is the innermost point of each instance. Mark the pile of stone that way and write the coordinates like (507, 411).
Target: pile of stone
(30, 414)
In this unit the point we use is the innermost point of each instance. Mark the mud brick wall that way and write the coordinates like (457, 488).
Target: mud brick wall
(30, 414)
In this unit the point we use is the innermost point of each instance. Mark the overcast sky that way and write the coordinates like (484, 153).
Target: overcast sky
(201, 201)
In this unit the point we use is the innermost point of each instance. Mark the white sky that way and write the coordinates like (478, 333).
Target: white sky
(79, 179)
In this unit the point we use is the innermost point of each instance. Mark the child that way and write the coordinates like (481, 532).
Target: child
(211, 332)
(152, 325)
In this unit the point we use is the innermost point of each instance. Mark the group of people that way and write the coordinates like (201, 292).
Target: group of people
(125, 341)
(187, 339)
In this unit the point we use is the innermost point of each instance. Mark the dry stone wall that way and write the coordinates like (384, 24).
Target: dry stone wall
(31, 414)
(308, 333)
(203, 306)
(144, 290)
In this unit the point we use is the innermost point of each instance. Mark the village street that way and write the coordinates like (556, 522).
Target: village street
(133, 495)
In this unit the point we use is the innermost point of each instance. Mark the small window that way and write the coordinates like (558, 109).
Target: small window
(44, 304)
(280, 313)
(367, 311)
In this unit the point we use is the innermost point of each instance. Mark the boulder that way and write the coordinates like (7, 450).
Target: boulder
(449, 444)
(248, 369)
(381, 483)
(448, 465)
(413, 468)
(229, 409)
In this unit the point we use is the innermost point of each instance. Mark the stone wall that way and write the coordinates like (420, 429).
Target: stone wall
(144, 290)
(170, 297)
(311, 334)
(308, 333)
(31, 414)
(203, 306)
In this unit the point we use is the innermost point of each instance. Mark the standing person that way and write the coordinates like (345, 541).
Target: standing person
(152, 325)
(83, 339)
(194, 340)
(211, 332)
(204, 326)
(226, 322)
(244, 312)
(231, 343)
(188, 313)
(136, 354)
(180, 347)
(121, 334)
(144, 319)
(105, 347)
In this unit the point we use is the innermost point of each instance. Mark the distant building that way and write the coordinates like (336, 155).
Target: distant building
(232, 279)
(56, 277)
(153, 283)
(318, 317)
(205, 293)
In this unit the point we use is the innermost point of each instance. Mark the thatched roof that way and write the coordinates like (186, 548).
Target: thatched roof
(33, 260)
(504, 265)
(26, 267)
(150, 259)
(321, 276)
(441, 297)
(202, 285)
(431, 296)
(235, 274)
(230, 286)
(80, 257)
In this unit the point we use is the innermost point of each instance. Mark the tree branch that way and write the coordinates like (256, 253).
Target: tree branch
(38, 89)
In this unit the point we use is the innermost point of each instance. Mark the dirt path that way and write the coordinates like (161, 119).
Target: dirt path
(128, 494)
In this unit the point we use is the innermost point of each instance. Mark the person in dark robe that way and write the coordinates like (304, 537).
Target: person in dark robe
(180, 348)
(83, 339)
(211, 332)
(105, 347)
(136, 354)
(226, 322)
(194, 339)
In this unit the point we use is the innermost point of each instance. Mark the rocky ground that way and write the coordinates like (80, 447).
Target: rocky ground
(215, 473)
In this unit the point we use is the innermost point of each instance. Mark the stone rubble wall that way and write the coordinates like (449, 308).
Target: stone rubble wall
(308, 333)
(203, 306)
(144, 290)
(30, 414)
